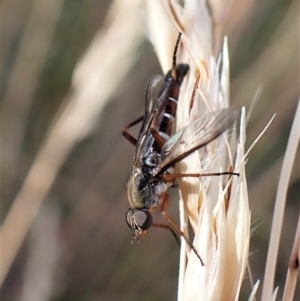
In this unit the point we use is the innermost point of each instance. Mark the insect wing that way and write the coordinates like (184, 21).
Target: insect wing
(195, 135)
(153, 90)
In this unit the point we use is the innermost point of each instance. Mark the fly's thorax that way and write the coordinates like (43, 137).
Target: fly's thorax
(150, 161)
(144, 191)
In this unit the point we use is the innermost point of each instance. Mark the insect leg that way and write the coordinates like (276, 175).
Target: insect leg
(174, 73)
(128, 136)
(158, 138)
(167, 227)
(172, 177)
(176, 228)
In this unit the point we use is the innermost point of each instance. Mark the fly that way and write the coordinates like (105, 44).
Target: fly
(152, 171)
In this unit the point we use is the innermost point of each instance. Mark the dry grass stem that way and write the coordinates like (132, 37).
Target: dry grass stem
(93, 83)
(259, 136)
(279, 209)
(25, 75)
(293, 270)
(66, 93)
(216, 207)
(44, 255)
(283, 41)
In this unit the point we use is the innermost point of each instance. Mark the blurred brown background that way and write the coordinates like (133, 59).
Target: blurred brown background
(78, 247)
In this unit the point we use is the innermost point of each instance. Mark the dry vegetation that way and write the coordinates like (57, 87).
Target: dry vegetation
(72, 75)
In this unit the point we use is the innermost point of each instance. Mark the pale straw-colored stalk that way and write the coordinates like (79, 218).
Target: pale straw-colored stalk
(216, 207)
(282, 189)
(95, 78)
(23, 80)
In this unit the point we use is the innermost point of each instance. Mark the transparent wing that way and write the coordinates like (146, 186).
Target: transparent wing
(194, 136)
(153, 90)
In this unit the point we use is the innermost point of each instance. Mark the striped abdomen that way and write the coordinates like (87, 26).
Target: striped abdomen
(169, 112)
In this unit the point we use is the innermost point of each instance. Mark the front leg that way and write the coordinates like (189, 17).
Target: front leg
(167, 227)
(175, 227)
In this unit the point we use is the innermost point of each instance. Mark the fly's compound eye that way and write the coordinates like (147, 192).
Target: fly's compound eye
(139, 219)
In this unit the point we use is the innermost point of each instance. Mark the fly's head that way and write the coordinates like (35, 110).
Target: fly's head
(139, 221)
